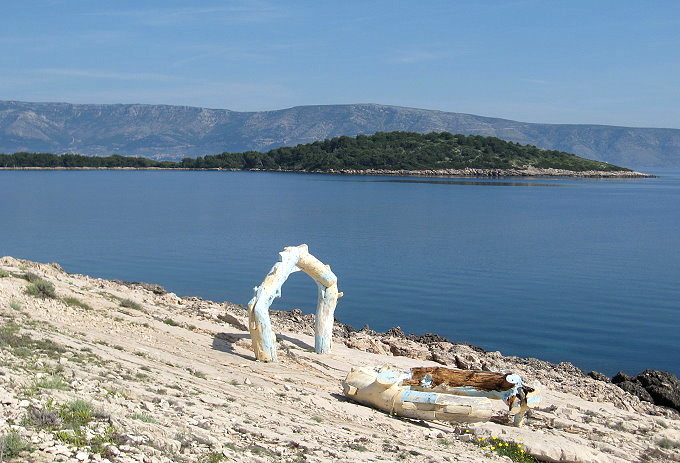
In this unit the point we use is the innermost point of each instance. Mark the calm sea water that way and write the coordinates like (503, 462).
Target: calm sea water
(561, 269)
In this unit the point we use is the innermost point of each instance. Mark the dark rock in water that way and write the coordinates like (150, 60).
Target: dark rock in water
(599, 376)
(656, 386)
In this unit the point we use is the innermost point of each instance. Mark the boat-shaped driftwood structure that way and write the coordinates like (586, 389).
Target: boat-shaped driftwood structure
(293, 259)
(438, 393)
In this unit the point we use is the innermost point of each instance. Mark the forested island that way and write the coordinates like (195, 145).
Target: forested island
(401, 152)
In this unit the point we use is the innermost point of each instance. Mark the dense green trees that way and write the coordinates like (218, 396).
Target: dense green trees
(383, 150)
(77, 160)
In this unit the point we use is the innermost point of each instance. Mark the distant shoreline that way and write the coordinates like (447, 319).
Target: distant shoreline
(469, 172)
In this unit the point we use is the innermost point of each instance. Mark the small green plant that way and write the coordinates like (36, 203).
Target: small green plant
(41, 288)
(317, 419)
(101, 442)
(11, 444)
(512, 450)
(4, 274)
(130, 304)
(171, 322)
(76, 413)
(143, 417)
(98, 443)
(357, 447)
(23, 345)
(16, 305)
(261, 451)
(75, 302)
(214, 457)
(669, 444)
(30, 277)
(77, 437)
(51, 382)
(43, 418)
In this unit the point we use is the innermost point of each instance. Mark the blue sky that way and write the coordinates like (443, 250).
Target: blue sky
(607, 62)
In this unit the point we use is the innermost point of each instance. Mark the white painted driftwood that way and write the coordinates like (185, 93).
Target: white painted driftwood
(293, 259)
(382, 388)
(439, 393)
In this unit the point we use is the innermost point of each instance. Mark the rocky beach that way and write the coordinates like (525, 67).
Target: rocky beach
(100, 370)
(449, 173)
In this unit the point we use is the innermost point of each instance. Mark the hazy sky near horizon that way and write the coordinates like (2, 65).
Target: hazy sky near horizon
(604, 62)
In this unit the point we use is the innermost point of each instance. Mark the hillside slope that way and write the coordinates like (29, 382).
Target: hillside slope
(130, 373)
(174, 132)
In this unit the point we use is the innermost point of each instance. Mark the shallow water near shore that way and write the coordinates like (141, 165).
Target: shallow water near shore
(577, 270)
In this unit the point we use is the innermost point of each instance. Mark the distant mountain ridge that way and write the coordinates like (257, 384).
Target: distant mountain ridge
(174, 132)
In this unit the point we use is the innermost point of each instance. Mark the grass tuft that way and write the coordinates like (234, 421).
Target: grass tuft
(130, 304)
(41, 288)
(171, 322)
(52, 382)
(4, 274)
(24, 344)
(76, 413)
(669, 444)
(143, 417)
(16, 305)
(30, 277)
(11, 444)
(215, 457)
(75, 302)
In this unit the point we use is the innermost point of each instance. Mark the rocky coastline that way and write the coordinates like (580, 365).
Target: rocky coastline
(447, 173)
(653, 386)
(164, 379)
(494, 173)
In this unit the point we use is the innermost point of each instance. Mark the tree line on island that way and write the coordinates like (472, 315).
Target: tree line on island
(381, 151)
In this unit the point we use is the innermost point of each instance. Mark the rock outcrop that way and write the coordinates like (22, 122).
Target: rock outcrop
(655, 386)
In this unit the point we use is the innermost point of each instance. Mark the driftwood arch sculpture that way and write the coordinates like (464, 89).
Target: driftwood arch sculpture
(293, 259)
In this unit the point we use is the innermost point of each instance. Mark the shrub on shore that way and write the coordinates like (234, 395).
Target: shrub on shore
(41, 288)
(75, 302)
(11, 444)
(130, 304)
(30, 277)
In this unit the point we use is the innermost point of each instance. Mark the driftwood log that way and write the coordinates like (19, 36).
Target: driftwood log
(293, 259)
(438, 393)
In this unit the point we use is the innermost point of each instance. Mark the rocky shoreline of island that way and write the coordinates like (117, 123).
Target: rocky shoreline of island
(529, 172)
(494, 173)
